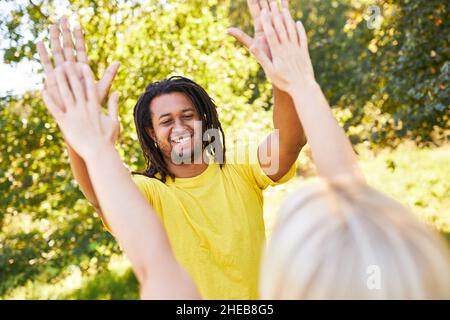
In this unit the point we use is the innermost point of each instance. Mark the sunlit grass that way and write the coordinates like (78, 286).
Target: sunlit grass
(418, 178)
(117, 282)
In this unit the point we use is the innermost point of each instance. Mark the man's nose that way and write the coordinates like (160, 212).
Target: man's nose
(179, 125)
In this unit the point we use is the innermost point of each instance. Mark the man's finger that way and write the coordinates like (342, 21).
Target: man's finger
(105, 82)
(241, 36)
(80, 45)
(58, 55)
(45, 59)
(67, 40)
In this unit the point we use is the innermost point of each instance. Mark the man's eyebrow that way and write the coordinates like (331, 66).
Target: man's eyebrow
(184, 110)
(164, 115)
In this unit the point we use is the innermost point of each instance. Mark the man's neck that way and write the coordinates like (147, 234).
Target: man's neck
(187, 170)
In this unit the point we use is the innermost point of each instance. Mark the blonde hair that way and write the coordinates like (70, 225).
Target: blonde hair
(344, 240)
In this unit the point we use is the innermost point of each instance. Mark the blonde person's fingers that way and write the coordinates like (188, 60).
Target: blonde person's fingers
(113, 106)
(51, 86)
(269, 31)
(241, 36)
(75, 83)
(253, 6)
(255, 12)
(67, 40)
(64, 89)
(91, 89)
(290, 26)
(50, 78)
(58, 55)
(80, 45)
(302, 35)
(55, 111)
(278, 23)
(44, 57)
(285, 4)
(105, 82)
(264, 4)
(262, 59)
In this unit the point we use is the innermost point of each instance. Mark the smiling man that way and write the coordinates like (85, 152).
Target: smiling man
(211, 205)
(209, 202)
(176, 127)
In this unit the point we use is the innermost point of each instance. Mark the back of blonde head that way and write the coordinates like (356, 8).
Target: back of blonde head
(345, 240)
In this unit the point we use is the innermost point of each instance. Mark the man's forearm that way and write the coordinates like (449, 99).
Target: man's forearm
(81, 175)
(285, 119)
(283, 148)
(130, 216)
(330, 147)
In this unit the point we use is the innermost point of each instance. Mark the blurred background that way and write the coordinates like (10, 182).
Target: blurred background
(383, 65)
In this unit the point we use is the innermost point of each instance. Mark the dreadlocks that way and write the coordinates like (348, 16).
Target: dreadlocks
(202, 102)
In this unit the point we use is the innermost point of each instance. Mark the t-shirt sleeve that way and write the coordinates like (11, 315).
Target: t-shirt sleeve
(146, 187)
(246, 157)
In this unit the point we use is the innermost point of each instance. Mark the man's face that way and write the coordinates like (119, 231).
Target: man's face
(176, 126)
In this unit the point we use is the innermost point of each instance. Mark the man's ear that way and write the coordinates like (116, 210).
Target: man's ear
(151, 133)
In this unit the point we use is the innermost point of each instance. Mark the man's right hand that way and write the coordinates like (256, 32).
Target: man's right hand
(72, 53)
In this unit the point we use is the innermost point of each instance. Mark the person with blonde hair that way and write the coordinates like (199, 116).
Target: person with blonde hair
(344, 240)
(335, 239)
(338, 238)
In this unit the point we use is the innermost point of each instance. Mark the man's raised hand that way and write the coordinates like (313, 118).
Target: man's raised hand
(259, 40)
(290, 65)
(82, 122)
(71, 52)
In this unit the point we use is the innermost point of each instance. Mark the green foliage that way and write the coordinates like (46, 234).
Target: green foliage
(107, 285)
(42, 203)
(414, 55)
(46, 225)
(417, 178)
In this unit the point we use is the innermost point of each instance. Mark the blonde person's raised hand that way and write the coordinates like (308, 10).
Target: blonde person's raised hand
(83, 122)
(290, 65)
(71, 51)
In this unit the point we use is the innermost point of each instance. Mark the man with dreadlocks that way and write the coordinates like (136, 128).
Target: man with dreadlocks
(210, 207)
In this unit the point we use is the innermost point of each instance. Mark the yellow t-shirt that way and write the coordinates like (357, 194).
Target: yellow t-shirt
(215, 225)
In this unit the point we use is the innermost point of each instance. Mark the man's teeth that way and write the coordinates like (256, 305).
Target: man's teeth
(181, 139)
